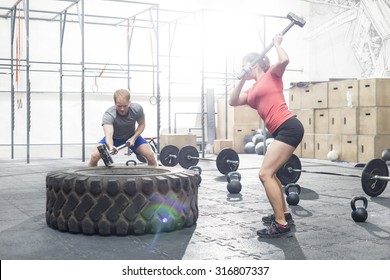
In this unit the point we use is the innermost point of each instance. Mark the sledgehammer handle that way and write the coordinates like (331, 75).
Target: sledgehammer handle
(246, 70)
(121, 147)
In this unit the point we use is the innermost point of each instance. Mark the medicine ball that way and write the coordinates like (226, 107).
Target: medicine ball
(259, 148)
(333, 156)
(247, 138)
(257, 138)
(386, 155)
(249, 148)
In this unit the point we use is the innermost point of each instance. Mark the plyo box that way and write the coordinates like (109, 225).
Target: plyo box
(321, 146)
(239, 133)
(349, 118)
(344, 93)
(374, 120)
(371, 146)
(374, 92)
(178, 140)
(335, 143)
(334, 120)
(315, 96)
(321, 121)
(220, 144)
(307, 146)
(294, 97)
(236, 116)
(349, 148)
(306, 116)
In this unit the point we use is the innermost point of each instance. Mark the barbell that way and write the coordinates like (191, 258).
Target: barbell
(374, 177)
(227, 160)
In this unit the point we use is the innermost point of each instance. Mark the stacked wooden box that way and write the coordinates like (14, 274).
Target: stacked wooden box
(239, 121)
(351, 117)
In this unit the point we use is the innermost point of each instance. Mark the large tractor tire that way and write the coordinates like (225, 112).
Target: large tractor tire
(121, 200)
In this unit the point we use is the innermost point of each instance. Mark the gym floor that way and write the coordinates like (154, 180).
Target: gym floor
(226, 227)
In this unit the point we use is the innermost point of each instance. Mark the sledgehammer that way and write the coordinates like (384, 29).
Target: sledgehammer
(105, 154)
(294, 20)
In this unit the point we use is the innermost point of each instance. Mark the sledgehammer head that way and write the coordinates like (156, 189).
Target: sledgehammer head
(105, 155)
(296, 19)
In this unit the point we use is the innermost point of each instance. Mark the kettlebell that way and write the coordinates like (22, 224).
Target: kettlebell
(234, 184)
(198, 170)
(131, 161)
(292, 196)
(359, 214)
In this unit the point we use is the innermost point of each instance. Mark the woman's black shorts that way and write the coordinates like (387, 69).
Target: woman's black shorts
(290, 132)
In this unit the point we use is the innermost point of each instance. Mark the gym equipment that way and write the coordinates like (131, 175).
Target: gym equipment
(374, 177)
(359, 214)
(386, 155)
(197, 169)
(168, 155)
(294, 20)
(292, 196)
(234, 184)
(259, 148)
(332, 156)
(249, 148)
(227, 160)
(131, 161)
(105, 154)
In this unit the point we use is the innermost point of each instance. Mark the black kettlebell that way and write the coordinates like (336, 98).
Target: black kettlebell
(198, 170)
(292, 196)
(359, 214)
(234, 184)
(131, 161)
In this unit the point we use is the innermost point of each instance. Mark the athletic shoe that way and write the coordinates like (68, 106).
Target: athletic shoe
(275, 230)
(267, 220)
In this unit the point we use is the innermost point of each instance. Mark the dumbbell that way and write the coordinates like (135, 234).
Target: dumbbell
(234, 184)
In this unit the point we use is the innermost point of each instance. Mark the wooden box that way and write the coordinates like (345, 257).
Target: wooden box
(374, 120)
(178, 140)
(374, 92)
(371, 146)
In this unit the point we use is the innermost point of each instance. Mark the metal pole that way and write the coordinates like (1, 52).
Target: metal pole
(13, 18)
(158, 77)
(203, 78)
(83, 79)
(28, 89)
(62, 30)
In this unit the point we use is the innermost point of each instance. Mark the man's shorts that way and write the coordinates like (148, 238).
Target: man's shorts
(118, 142)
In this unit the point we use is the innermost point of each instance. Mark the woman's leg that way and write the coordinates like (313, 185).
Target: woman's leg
(277, 154)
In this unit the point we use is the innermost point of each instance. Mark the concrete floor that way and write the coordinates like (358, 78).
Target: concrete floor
(226, 227)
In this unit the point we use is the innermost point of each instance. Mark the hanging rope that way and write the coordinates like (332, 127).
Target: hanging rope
(95, 87)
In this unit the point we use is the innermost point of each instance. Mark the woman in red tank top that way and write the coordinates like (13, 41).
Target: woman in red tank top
(266, 96)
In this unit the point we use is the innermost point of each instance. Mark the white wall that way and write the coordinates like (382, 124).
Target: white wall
(223, 42)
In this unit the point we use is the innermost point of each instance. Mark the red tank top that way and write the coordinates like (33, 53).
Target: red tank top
(266, 96)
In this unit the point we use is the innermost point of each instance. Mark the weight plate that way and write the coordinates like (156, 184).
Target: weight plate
(188, 156)
(287, 176)
(140, 158)
(168, 155)
(374, 187)
(227, 161)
